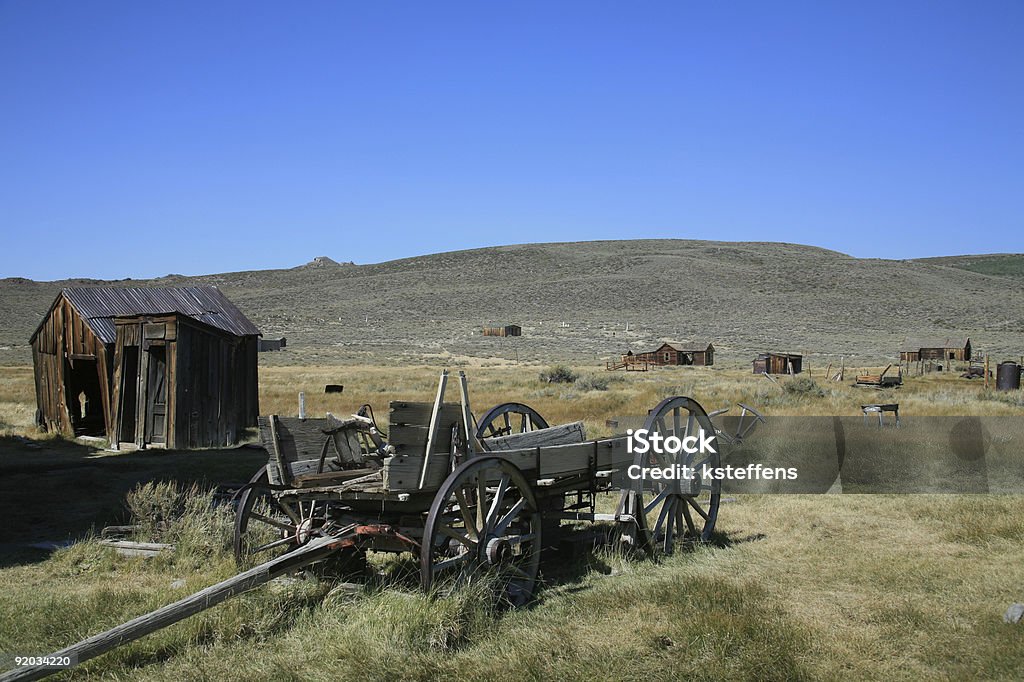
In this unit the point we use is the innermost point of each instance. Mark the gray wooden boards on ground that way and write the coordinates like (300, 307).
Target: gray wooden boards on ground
(315, 550)
(133, 549)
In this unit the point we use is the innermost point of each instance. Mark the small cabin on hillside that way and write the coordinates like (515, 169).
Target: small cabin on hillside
(778, 363)
(168, 367)
(701, 353)
(914, 350)
(507, 330)
(266, 345)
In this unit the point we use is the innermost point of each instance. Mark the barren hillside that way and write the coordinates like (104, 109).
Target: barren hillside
(574, 301)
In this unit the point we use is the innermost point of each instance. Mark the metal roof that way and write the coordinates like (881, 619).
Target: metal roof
(914, 345)
(98, 306)
(688, 346)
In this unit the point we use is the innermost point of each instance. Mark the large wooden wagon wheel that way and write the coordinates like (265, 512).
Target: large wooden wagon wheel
(507, 419)
(678, 509)
(266, 527)
(483, 524)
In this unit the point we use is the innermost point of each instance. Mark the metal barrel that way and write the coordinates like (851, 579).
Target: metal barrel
(1007, 376)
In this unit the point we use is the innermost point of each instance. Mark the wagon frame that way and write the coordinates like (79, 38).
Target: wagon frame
(487, 503)
(473, 499)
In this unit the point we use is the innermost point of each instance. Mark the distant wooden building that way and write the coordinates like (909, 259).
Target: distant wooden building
(676, 353)
(173, 367)
(957, 348)
(507, 330)
(778, 363)
(272, 344)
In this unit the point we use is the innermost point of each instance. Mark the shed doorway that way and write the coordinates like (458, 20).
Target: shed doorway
(155, 394)
(129, 394)
(83, 397)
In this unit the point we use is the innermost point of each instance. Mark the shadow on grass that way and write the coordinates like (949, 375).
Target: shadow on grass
(598, 551)
(56, 491)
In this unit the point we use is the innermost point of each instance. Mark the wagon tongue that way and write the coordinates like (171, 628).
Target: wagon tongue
(315, 550)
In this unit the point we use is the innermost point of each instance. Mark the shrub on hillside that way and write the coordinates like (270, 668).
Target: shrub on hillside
(558, 374)
(804, 386)
(593, 382)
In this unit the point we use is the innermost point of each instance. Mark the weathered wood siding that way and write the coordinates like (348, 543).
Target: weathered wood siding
(216, 386)
(507, 330)
(212, 381)
(778, 363)
(667, 354)
(63, 340)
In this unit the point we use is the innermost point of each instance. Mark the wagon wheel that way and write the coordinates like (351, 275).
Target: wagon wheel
(678, 509)
(266, 527)
(484, 523)
(509, 418)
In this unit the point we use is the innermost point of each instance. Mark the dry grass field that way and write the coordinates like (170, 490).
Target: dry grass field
(797, 587)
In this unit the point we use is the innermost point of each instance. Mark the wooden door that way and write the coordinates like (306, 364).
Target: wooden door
(156, 395)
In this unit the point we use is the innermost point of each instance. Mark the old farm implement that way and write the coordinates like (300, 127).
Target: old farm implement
(468, 497)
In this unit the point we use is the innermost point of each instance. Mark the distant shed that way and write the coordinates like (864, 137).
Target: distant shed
(507, 330)
(778, 363)
(173, 367)
(914, 350)
(701, 353)
(272, 344)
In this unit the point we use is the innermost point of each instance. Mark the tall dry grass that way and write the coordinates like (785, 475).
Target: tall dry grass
(627, 393)
(801, 587)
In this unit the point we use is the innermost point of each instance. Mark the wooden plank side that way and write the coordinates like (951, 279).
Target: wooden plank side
(613, 453)
(567, 460)
(563, 434)
(418, 414)
(300, 439)
(300, 444)
(402, 472)
(413, 439)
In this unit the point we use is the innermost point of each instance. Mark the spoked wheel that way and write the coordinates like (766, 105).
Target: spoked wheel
(483, 524)
(509, 418)
(677, 509)
(266, 527)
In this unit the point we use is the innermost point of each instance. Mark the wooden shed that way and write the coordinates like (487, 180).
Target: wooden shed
(778, 363)
(957, 348)
(507, 330)
(678, 353)
(272, 344)
(172, 367)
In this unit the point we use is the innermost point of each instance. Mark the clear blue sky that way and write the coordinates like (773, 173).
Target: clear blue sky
(145, 138)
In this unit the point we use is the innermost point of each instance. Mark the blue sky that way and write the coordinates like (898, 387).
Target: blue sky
(145, 138)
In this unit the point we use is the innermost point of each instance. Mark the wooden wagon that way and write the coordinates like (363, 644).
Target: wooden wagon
(469, 497)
